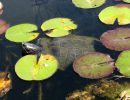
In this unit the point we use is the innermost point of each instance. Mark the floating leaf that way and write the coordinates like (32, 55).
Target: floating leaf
(117, 39)
(127, 1)
(94, 65)
(22, 33)
(123, 63)
(86, 4)
(58, 27)
(27, 69)
(3, 26)
(121, 12)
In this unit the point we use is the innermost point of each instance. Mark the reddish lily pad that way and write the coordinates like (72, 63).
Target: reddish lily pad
(117, 39)
(94, 65)
(123, 63)
(3, 26)
(120, 12)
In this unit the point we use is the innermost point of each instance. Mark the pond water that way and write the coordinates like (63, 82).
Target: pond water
(37, 11)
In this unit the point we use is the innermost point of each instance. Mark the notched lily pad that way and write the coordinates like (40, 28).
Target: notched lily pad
(3, 26)
(123, 63)
(117, 39)
(94, 65)
(120, 12)
(87, 4)
(27, 68)
(22, 32)
(58, 27)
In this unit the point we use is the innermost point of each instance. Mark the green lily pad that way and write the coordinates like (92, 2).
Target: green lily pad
(121, 12)
(123, 63)
(58, 27)
(22, 33)
(94, 65)
(127, 1)
(27, 68)
(86, 4)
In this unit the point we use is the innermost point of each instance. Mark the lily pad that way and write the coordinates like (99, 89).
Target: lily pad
(27, 68)
(120, 12)
(94, 65)
(123, 63)
(127, 1)
(117, 39)
(22, 33)
(87, 4)
(58, 27)
(3, 26)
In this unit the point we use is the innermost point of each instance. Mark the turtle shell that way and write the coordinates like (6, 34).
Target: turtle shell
(67, 48)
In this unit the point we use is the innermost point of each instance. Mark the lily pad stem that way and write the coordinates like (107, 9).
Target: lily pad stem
(40, 93)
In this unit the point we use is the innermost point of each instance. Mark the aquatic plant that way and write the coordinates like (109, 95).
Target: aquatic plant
(80, 95)
(123, 63)
(117, 39)
(5, 83)
(22, 32)
(67, 49)
(58, 27)
(102, 89)
(28, 69)
(94, 65)
(119, 12)
(107, 89)
(3, 26)
(87, 4)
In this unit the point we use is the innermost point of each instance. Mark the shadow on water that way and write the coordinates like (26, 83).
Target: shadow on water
(37, 11)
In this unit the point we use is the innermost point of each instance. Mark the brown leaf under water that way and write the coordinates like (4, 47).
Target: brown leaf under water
(3, 26)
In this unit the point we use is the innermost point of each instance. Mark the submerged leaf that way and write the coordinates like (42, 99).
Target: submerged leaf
(120, 12)
(27, 68)
(22, 33)
(123, 63)
(94, 65)
(58, 27)
(117, 39)
(86, 4)
(5, 83)
(3, 26)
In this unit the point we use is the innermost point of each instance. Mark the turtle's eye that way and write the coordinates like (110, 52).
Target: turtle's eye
(8, 76)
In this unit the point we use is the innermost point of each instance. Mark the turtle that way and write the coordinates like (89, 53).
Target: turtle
(66, 48)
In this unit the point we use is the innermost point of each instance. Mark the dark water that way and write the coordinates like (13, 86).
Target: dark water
(37, 11)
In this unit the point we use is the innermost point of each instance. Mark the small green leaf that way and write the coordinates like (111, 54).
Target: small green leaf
(123, 63)
(87, 4)
(22, 32)
(27, 69)
(121, 12)
(58, 27)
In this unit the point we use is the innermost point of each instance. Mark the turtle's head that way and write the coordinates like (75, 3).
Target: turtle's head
(45, 44)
